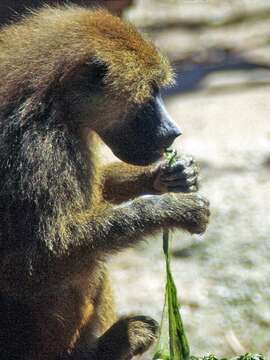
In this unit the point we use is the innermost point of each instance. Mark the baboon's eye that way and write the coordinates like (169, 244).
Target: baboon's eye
(97, 73)
(90, 78)
(155, 90)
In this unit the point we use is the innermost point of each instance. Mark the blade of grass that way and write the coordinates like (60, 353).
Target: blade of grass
(177, 347)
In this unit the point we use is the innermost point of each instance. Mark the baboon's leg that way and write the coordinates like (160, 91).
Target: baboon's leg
(60, 316)
(104, 317)
(127, 338)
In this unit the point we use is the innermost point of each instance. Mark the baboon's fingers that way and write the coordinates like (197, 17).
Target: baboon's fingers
(179, 173)
(183, 189)
(182, 182)
(180, 164)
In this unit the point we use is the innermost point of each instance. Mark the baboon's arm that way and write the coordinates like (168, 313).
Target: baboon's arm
(122, 182)
(103, 231)
(123, 225)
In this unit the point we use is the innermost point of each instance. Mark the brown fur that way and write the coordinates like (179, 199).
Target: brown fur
(69, 41)
(56, 228)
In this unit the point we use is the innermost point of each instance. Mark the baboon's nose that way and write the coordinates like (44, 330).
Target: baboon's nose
(169, 139)
(176, 131)
(170, 136)
(168, 130)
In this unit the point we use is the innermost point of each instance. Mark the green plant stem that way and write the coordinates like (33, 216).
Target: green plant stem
(179, 348)
(176, 347)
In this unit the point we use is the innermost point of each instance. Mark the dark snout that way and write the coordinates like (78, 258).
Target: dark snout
(169, 134)
(142, 139)
(168, 130)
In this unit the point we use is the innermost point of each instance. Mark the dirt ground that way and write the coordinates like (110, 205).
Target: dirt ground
(223, 278)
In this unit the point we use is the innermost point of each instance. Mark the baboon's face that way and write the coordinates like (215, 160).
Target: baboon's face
(143, 135)
(136, 134)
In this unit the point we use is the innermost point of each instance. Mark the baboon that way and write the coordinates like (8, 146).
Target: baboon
(66, 75)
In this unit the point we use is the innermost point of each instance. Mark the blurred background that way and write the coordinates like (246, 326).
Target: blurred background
(220, 51)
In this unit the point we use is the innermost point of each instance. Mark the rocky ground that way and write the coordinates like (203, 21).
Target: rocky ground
(223, 278)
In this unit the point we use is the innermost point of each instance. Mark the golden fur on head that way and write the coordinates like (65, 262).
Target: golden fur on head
(70, 36)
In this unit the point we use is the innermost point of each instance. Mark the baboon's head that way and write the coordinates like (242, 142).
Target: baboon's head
(89, 69)
(118, 93)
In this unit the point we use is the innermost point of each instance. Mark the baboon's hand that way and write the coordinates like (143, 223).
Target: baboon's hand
(182, 176)
(187, 211)
(197, 213)
(190, 211)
